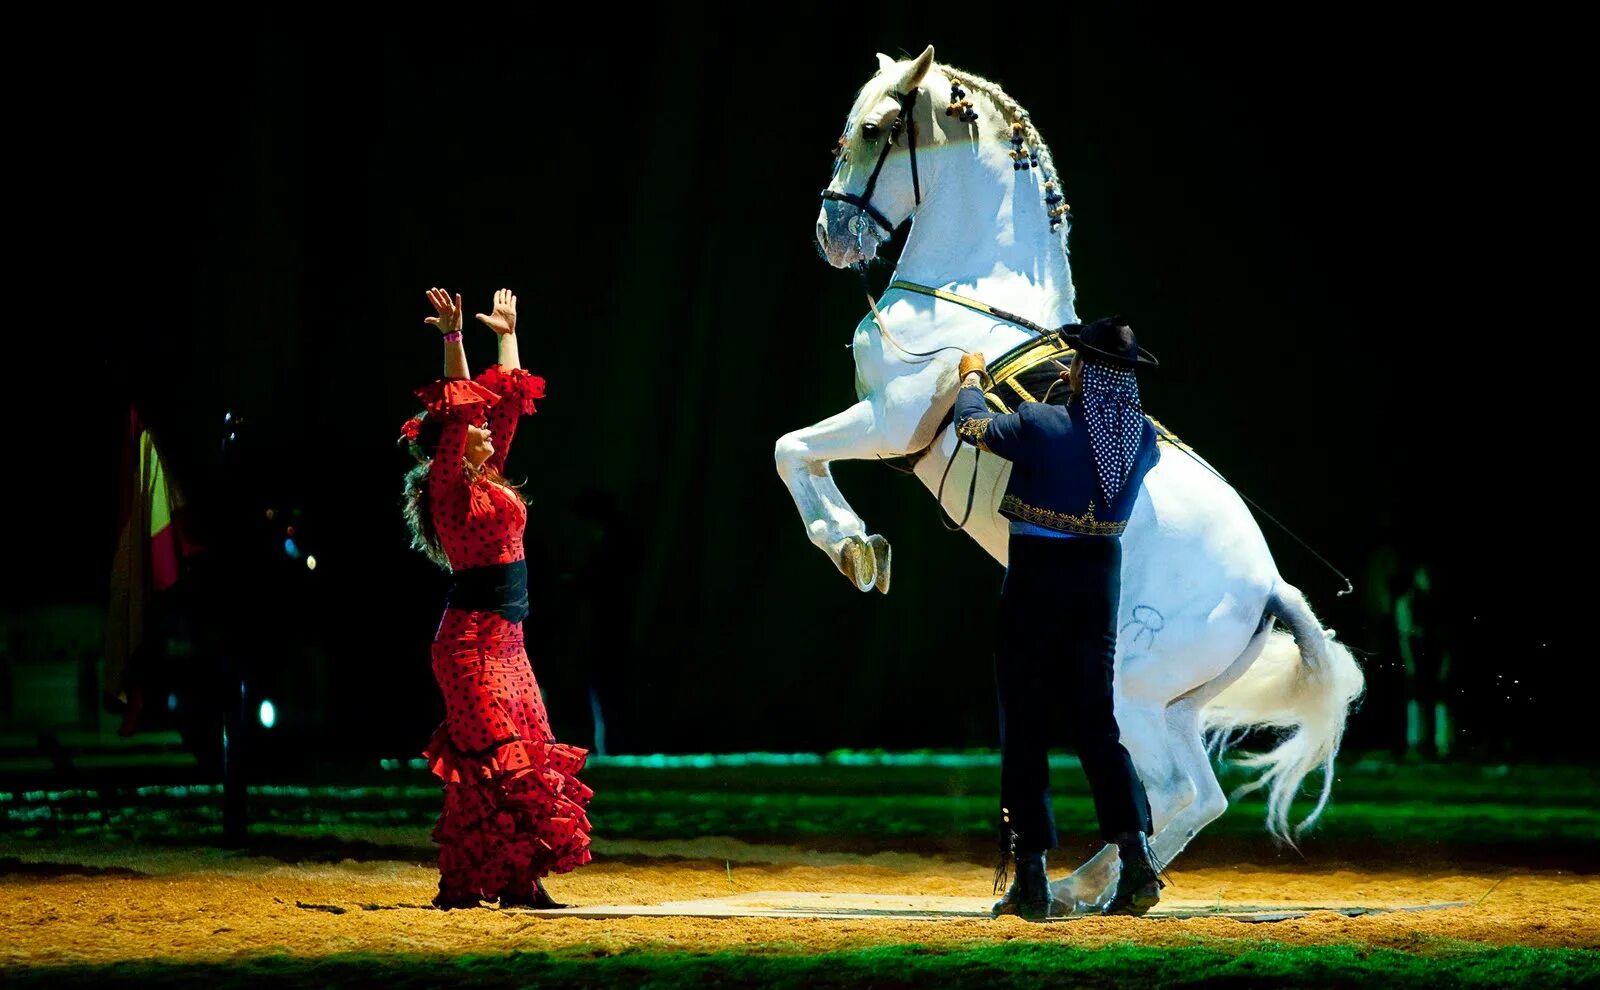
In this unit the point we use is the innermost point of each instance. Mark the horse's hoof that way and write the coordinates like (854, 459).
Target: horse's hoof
(1071, 908)
(880, 557)
(1070, 899)
(857, 562)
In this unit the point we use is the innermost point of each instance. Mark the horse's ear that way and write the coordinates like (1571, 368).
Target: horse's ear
(918, 69)
(885, 63)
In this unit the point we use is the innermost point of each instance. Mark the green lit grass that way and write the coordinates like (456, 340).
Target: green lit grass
(1016, 964)
(860, 799)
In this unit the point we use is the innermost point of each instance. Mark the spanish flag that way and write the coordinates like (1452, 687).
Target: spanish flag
(149, 553)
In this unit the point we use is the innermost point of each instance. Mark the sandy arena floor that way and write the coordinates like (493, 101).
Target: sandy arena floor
(70, 902)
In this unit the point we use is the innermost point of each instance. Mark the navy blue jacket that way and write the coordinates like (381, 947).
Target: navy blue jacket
(1053, 481)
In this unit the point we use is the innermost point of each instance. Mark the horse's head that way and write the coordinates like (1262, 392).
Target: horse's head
(874, 187)
(979, 174)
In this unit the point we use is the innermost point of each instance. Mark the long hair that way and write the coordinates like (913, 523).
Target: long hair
(416, 507)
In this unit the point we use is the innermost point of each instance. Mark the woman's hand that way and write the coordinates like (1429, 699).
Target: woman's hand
(448, 319)
(504, 318)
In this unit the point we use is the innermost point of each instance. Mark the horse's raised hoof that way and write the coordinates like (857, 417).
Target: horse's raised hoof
(857, 562)
(880, 556)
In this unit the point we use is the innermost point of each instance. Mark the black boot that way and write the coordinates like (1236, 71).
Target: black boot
(1029, 894)
(1139, 885)
(454, 902)
(539, 900)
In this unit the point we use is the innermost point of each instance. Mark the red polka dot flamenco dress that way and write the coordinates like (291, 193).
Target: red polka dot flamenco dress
(513, 805)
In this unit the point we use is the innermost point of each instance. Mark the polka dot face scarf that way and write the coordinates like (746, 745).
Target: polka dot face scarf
(1116, 423)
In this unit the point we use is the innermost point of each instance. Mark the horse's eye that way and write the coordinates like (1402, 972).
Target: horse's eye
(871, 131)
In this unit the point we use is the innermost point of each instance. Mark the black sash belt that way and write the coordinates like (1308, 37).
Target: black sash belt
(501, 588)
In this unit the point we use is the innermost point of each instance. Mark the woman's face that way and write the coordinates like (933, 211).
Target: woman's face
(479, 446)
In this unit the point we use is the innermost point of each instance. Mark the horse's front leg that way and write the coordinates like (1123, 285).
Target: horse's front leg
(802, 458)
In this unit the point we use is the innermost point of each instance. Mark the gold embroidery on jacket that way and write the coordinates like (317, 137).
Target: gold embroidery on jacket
(1084, 525)
(973, 431)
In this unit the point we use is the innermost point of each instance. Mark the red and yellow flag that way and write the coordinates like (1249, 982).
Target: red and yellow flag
(150, 549)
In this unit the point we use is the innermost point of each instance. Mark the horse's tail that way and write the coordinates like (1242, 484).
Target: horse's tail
(1303, 681)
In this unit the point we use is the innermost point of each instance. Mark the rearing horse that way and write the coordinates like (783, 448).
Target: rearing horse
(985, 268)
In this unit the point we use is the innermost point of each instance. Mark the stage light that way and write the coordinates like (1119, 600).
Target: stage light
(292, 549)
(267, 714)
(311, 563)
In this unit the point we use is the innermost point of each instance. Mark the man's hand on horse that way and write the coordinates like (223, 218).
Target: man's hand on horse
(970, 363)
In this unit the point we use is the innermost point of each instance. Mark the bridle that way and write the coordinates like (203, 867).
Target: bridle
(863, 202)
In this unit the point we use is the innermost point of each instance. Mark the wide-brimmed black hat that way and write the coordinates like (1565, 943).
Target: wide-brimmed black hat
(1110, 340)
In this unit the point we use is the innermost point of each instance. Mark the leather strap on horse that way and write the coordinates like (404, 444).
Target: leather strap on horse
(1005, 374)
(972, 304)
(949, 416)
(863, 202)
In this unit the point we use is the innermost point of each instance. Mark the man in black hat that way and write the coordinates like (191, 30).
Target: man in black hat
(1076, 472)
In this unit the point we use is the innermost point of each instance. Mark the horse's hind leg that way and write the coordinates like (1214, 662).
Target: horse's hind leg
(1207, 802)
(1189, 749)
(1182, 786)
(1144, 733)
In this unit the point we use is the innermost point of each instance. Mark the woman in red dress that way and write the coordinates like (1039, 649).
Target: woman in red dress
(513, 805)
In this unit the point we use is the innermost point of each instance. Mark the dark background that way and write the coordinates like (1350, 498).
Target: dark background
(1325, 227)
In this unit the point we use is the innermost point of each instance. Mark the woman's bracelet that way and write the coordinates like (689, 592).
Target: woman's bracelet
(452, 336)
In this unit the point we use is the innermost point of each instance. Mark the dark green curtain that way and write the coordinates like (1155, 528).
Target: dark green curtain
(1281, 209)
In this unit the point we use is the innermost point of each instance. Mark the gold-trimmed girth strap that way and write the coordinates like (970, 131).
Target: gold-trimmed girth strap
(1046, 345)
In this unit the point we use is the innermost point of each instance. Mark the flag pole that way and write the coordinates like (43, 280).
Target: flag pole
(235, 809)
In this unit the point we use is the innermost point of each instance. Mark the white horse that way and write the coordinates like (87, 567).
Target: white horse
(1197, 652)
